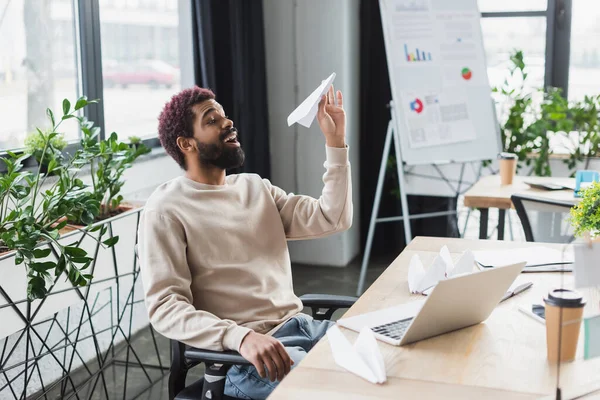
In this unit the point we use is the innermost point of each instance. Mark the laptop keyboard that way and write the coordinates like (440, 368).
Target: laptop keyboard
(394, 330)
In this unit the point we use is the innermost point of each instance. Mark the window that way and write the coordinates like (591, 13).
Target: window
(140, 63)
(38, 66)
(503, 35)
(584, 68)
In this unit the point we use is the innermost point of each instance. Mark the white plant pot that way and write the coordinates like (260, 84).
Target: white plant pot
(587, 263)
(113, 268)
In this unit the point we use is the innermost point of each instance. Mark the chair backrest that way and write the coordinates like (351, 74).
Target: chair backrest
(544, 220)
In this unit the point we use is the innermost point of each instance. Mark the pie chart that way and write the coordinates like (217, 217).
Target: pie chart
(416, 106)
(466, 73)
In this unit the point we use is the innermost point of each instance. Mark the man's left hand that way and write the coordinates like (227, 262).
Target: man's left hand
(332, 119)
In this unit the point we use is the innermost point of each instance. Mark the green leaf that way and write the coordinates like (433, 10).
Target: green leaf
(110, 242)
(50, 115)
(87, 217)
(68, 116)
(19, 258)
(52, 165)
(41, 253)
(60, 265)
(81, 260)
(81, 102)
(75, 251)
(89, 277)
(40, 267)
(36, 288)
(66, 105)
(61, 225)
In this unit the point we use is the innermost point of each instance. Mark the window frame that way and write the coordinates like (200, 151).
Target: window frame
(558, 15)
(88, 57)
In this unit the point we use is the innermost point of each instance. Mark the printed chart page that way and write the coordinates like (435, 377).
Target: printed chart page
(439, 67)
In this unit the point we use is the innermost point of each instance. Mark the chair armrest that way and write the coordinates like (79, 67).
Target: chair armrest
(328, 301)
(219, 357)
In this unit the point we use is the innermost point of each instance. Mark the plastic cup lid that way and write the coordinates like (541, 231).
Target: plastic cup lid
(507, 156)
(565, 298)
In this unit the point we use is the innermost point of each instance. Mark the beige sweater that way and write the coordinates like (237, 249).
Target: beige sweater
(214, 259)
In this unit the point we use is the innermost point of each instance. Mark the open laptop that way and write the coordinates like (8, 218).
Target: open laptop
(454, 303)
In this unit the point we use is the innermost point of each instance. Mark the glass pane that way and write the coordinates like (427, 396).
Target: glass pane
(140, 63)
(501, 36)
(37, 67)
(584, 72)
(512, 5)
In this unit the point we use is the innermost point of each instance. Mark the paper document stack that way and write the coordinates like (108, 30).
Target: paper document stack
(363, 359)
(421, 281)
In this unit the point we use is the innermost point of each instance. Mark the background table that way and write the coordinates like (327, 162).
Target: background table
(489, 193)
(504, 357)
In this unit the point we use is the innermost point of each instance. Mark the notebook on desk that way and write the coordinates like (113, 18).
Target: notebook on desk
(453, 304)
(537, 258)
(549, 186)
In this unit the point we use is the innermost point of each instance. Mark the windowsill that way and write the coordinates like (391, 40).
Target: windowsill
(155, 152)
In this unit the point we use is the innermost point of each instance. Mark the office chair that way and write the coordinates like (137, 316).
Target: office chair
(544, 220)
(212, 385)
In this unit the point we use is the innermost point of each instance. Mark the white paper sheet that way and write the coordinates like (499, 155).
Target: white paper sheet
(305, 113)
(422, 281)
(363, 359)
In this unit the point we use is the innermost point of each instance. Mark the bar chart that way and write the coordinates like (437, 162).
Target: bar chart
(416, 55)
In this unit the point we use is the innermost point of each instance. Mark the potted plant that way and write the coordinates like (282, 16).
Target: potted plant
(531, 124)
(108, 160)
(585, 219)
(585, 216)
(33, 211)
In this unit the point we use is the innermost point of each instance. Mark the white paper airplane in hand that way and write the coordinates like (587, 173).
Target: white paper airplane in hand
(305, 113)
(421, 281)
(363, 359)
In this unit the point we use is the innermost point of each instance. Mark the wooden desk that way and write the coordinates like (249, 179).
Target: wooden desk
(504, 357)
(489, 193)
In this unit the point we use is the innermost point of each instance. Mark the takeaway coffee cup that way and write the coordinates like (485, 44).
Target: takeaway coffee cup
(567, 304)
(508, 167)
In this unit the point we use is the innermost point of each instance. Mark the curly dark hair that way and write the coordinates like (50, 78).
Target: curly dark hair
(177, 119)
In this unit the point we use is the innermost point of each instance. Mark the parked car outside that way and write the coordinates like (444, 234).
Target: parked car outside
(154, 73)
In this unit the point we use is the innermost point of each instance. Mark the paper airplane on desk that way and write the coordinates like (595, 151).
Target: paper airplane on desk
(421, 281)
(306, 112)
(363, 359)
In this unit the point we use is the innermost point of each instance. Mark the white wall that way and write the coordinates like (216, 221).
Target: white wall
(307, 40)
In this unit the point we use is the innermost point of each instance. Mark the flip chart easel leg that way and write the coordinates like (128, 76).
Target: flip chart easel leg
(375, 212)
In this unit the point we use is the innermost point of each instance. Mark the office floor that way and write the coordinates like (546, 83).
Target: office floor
(307, 279)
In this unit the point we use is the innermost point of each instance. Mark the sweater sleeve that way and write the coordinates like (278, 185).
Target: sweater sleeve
(167, 278)
(305, 217)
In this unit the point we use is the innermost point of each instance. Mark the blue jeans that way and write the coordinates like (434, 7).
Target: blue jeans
(298, 336)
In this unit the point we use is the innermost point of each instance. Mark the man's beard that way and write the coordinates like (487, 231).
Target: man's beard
(219, 154)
